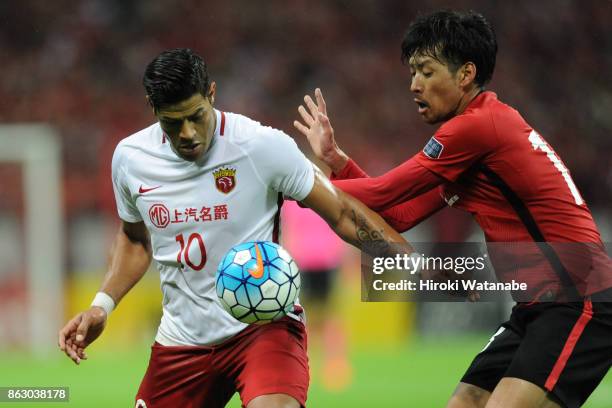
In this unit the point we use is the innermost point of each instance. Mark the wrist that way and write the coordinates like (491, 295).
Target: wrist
(337, 161)
(104, 301)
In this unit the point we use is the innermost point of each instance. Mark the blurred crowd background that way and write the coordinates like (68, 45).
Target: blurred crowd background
(77, 65)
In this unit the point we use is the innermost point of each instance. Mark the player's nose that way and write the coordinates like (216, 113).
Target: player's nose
(187, 130)
(415, 85)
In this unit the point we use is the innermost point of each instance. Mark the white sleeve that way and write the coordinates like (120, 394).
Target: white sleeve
(126, 207)
(281, 164)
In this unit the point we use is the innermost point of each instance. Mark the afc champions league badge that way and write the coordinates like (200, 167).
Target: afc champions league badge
(225, 179)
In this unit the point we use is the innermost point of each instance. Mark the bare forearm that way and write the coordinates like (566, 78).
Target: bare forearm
(129, 262)
(353, 221)
(366, 230)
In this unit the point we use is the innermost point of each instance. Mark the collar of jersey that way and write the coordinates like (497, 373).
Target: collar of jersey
(218, 124)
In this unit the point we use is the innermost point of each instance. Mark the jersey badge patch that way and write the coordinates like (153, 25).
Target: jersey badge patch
(225, 179)
(452, 200)
(433, 148)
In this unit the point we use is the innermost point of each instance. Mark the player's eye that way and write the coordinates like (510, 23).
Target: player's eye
(427, 74)
(197, 118)
(170, 124)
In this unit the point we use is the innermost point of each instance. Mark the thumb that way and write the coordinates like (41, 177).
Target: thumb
(81, 332)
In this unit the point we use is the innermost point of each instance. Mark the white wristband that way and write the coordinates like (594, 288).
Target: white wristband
(104, 301)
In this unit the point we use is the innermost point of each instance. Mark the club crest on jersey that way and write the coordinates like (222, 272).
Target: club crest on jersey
(225, 179)
(433, 148)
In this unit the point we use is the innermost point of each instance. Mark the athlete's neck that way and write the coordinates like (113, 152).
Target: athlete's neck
(467, 98)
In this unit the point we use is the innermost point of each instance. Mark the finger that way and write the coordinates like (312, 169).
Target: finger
(321, 101)
(81, 331)
(61, 339)
(303, 129)
(321, 117)
(75, 354)
(308, 119)
(69, 344)
(81, 353)
(314, 109)
(69, 328)
(70, 352)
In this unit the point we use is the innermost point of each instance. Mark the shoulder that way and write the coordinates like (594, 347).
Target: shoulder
(251, 135)
(144, 140)
(477, 118)
(475, 127)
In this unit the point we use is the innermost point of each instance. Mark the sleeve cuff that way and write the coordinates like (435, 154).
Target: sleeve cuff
(345, 172)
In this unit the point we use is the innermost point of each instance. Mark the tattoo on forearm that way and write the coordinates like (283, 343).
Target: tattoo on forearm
(370, 240)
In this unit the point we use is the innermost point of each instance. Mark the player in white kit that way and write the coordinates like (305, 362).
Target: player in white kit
(188, 188)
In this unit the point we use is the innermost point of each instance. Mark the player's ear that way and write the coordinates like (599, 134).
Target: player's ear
(150, 103)
(467, 73)
(212, 89)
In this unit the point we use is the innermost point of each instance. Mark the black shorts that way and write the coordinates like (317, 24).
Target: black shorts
(565, 348)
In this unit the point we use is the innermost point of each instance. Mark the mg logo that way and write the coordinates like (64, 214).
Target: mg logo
(159, 215)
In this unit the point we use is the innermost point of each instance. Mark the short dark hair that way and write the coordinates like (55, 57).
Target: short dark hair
(173, 76)
(454, 38)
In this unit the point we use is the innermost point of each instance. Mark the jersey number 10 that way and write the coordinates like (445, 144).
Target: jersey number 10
(184, 251)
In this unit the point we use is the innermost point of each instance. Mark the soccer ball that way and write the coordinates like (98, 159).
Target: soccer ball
(258, 282)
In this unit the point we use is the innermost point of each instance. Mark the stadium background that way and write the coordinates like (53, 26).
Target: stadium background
(78, 65)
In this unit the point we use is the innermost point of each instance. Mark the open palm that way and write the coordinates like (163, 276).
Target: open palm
(318, 130)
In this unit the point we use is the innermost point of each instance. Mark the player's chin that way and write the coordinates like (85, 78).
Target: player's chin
(429, 118)
(191, 153)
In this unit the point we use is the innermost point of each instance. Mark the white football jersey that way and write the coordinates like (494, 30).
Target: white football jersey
(196, 211)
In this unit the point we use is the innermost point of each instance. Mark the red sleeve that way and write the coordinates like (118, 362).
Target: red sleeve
(406, 215)
(458, 144)
(402, 183)
(350, 171)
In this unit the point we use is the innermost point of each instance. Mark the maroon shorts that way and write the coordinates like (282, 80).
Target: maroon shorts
(267, 359)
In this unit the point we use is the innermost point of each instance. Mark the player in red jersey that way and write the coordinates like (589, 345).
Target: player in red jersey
(485, 159)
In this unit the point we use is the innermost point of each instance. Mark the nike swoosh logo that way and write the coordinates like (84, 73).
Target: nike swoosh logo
(143, 190)
(258, 271)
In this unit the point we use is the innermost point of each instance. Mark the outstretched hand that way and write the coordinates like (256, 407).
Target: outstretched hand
(319, 132)
(80, 332)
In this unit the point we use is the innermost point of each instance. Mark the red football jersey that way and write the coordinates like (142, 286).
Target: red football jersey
(502, 171)
(490, 162)
(499, 169)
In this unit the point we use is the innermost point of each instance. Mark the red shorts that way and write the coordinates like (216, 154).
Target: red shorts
(267, 359)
